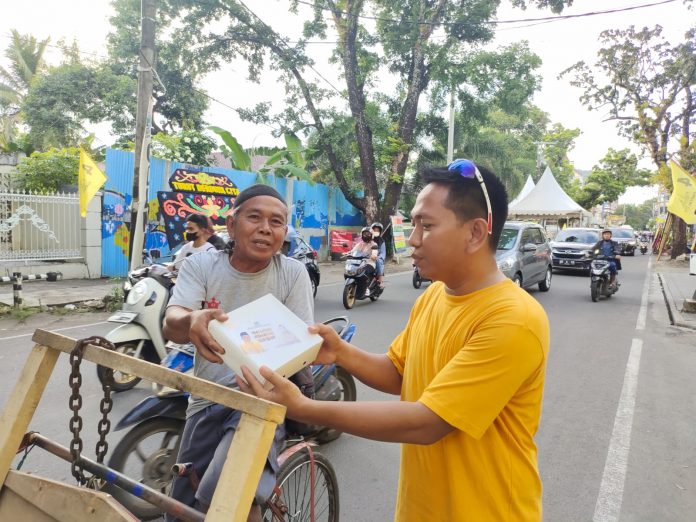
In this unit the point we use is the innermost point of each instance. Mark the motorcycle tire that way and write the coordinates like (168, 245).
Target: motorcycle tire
(349, 393)
(594, 291)
(314, 286)
(417, 281)
(155, 469)
(349, 292)
(122, 381)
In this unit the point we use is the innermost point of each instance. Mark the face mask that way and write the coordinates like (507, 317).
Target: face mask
(191, 236)
(375, 233)
(366, 238)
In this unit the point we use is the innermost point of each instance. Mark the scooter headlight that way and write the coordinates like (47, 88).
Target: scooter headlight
(137, 293)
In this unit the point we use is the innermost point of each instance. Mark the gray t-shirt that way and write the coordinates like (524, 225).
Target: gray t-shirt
(207, 280)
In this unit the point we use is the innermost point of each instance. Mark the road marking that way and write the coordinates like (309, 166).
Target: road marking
(608, 507)
(643, 312)
(56, 330)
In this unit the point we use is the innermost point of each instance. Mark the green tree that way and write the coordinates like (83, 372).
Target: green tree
(420, 42)
(638, 216)
(647, 86)
(63, 100)
(179, 101)
(187, 146)
(617, 171)
(49, 171)
(25, 55)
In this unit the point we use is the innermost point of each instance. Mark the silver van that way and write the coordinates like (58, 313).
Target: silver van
(524, 254)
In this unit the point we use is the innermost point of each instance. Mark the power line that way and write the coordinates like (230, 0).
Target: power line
(492, 22)
(288, 49)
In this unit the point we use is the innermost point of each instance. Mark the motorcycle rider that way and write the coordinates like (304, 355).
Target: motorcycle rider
(367, 248)
(377, 230)
(200, 236)
(609, 249)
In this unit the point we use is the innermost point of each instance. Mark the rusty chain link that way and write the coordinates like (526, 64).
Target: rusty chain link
(75, 403)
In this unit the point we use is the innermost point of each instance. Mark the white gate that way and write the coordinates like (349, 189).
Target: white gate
(39, 226)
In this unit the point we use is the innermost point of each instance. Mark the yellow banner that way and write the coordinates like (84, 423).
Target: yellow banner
(90, 180)
(682, 203)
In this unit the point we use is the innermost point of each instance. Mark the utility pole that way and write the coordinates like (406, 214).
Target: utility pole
(143, 125)
(450, 130)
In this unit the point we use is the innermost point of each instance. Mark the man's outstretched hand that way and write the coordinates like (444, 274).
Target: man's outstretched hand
(283, 392)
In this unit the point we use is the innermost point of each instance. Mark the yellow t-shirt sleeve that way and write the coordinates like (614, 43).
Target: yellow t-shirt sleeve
(477, 383)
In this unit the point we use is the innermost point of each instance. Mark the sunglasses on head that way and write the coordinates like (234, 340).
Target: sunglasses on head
(467, 169)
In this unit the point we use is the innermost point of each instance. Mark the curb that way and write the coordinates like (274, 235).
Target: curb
(675, 317)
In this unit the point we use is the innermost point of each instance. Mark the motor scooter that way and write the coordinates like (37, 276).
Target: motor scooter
(304, 253)
(149, 450)
(418, 280)
(147, 291)
(360, 280)
(643, 247)
(600, 277)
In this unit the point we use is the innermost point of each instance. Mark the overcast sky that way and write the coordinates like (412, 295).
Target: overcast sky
(559, 44)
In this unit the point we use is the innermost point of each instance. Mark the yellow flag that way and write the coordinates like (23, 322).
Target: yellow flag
(682, 203)
(90, 180)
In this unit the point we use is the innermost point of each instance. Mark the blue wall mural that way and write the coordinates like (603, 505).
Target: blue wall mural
(314, 207)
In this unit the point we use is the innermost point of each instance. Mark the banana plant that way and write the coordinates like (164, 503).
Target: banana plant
(291, 161)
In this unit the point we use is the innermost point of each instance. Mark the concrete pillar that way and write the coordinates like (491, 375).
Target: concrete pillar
(91, 237)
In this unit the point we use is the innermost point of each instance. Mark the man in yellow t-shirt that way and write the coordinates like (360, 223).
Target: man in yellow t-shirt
(469, 367)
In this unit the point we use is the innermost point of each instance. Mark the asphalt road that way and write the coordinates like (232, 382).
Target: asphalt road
(616, 440)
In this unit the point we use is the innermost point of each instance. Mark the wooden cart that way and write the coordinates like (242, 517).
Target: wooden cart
(29, 497)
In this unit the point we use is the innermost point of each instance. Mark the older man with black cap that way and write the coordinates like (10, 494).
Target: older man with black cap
(209, 284)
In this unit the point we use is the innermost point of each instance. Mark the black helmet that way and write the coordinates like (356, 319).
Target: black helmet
(378, 225)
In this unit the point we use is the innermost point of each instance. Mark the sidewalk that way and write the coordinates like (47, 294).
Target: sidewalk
(91, 292)
(677, 285)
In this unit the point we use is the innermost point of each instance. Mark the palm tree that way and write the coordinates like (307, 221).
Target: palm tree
(25, 54)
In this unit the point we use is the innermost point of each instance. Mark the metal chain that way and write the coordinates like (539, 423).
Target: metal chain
(75, 403)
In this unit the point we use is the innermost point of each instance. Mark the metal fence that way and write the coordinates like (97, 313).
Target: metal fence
(39, 226)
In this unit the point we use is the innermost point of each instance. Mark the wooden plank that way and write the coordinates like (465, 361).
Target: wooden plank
(22, 403)
(242, 470)
(14, 507)
(63, 502)
(234, 399)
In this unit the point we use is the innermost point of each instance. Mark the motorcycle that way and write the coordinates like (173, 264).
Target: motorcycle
(308, 256)
(360, 281)
(149, 450)
(600, 278)
(418, 280)
(643, 247)
(139, 334)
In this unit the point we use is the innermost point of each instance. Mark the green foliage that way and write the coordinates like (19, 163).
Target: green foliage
(25, 55)
(291, 161)
(616, 172)
(187, 146)
(557, 142)
(183, 104)
(638, 216)
(233, 151)
(61, 101)
(646, 84)
(49, 171)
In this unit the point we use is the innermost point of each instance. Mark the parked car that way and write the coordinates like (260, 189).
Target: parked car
(569, 247)
(524, 255)
(626, 238)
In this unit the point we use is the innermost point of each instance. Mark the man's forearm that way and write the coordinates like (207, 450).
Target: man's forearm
(177, 323)
(387, 421)
(375, 370)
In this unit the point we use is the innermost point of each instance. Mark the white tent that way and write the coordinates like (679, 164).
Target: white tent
(547, 200)
(528, 186)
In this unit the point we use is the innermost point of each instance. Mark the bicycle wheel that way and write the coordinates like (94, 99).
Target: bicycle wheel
(292, 496)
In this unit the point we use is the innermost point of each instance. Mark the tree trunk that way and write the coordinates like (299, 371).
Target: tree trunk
(678, 237)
